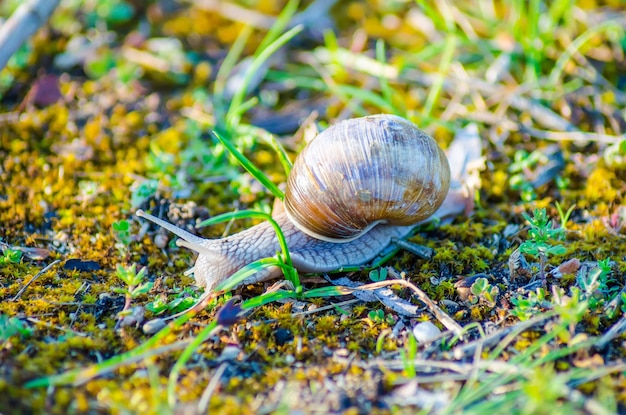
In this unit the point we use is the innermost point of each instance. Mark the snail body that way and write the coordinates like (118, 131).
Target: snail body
(355, 187)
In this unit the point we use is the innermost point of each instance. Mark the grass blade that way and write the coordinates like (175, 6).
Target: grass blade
(233, 116)
(250, 167)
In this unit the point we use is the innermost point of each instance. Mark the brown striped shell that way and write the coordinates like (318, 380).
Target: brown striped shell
(362, 172)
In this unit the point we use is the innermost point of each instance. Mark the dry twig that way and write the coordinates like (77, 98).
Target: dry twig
(22, 24)
(39, 274)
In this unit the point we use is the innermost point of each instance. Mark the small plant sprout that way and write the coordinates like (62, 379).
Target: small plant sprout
(141, 191)
(483, 292)
(593, 283)
(134, 283)
(408, 355)
(615, 154)
(540, 238)
(87, 191)
(571, 308)
(12, 326)
(379, 274)
(378, 317)
(564, 215)
(526, 307)
(524, 161)
(121, 232)
(529, 171)
(182, 301)
(10, 256)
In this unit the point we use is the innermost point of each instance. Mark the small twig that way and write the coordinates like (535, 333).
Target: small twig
(439, 314)
(53, 326)
(476, 364)
(541, 114)
(421, 251)
(327, 307)
(203, 404)
(576, 136)
(21, 291)
(461, 352)
(542, 269)
(465, 369)
(442, 316)
(384, 295)
(615, 330)
(22, 24)
(9, 116)
(598, 373)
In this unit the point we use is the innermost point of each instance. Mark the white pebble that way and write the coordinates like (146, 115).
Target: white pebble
(425, 331)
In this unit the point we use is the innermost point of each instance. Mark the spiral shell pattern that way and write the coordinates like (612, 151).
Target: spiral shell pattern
(365, 171)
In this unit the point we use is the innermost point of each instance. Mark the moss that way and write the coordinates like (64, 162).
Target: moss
(68, 170)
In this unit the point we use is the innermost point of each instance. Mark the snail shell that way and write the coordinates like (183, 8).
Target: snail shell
(362, 172)
(352, 190)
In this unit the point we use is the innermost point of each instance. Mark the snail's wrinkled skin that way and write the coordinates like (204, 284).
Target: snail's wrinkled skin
(218, 259)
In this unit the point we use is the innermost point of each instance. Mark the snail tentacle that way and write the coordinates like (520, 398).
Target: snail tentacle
(181, 233)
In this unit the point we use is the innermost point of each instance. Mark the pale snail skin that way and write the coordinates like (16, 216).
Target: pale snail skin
(417, 162)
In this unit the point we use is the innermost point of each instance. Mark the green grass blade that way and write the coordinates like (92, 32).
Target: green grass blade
(234, 113)
(442, 20)
(385, 89)
(82, 375)
(267, 298)
(246, 272)
(200, 338)
(350, 92)
(250, 167)
(297, 81)
(234, 53)
(270, 139)
(435, 91)
(280, 24)
(573, 47)
(287, 266)
(228, 216)
(331, 291)
(533, 47)
(280, 152)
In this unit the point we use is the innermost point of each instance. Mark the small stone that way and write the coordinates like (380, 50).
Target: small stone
(229, 353)
(134, 318)
(464, 285)
(282, 336)
(425, 332)
(153, 326)
(161, 240)
(80, 265)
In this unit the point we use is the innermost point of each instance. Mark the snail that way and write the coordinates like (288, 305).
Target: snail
(353, 189)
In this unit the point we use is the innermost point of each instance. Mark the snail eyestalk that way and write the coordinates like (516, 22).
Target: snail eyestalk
(188, 240)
